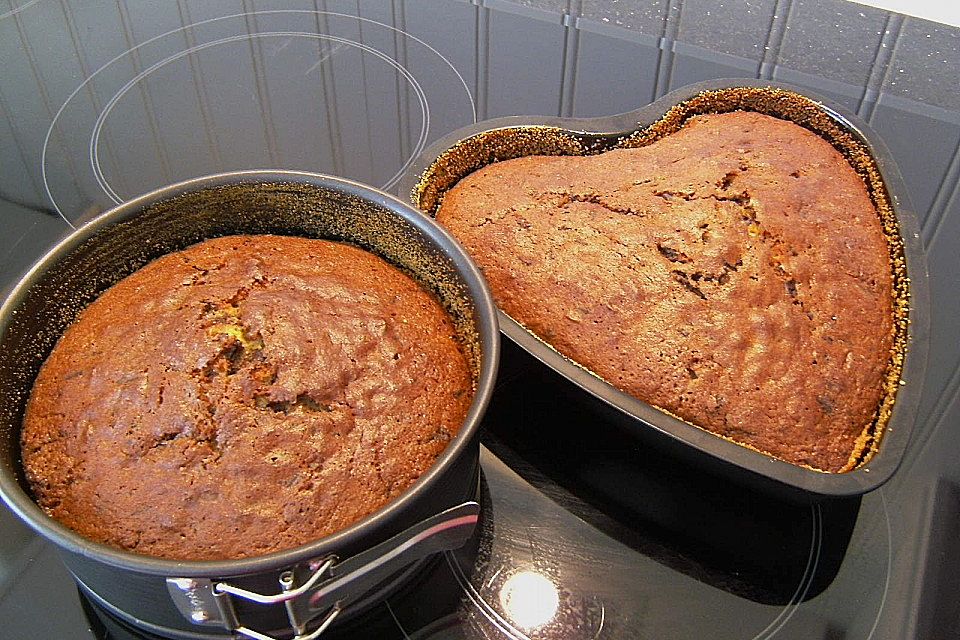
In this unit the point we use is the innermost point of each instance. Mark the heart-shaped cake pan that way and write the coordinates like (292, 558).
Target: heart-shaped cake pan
(464, 151)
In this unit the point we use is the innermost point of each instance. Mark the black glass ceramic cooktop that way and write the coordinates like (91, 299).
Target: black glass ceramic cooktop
(585, 533)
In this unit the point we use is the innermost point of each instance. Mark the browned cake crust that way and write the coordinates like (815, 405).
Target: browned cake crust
(246, 395)
(734, 273)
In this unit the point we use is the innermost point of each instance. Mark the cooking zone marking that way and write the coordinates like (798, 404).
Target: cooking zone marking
(98, 126)
(17, 10)
(94, 146)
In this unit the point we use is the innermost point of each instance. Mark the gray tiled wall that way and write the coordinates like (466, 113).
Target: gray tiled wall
(733, 28)
(926, 45)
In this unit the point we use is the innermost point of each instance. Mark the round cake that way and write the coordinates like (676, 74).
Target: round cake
(734, 273)
(246, 395)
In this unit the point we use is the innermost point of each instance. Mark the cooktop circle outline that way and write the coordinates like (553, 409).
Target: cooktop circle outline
(15, 10)
(770, 631)
(243, 15)
(886, 582)
(813, 560)
(130, 84)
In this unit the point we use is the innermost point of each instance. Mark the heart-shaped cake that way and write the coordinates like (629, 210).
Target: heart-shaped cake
(734, 273)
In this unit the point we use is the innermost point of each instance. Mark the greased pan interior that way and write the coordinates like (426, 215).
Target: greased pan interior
(450, 159)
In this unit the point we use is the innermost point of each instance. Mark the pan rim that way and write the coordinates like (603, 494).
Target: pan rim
(487, 328)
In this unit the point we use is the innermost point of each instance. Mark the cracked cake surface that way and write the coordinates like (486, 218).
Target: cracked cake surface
(733, 273)
(246, 395)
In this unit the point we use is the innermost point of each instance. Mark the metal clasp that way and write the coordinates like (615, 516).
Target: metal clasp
(223, 592)
(286, 581)
(196, 595)
(206, 602)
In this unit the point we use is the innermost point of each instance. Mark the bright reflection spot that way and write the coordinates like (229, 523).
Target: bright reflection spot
(530, 599)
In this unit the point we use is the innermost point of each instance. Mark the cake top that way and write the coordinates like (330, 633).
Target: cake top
(246, 395)
(734, 273)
